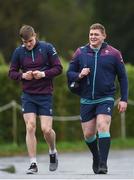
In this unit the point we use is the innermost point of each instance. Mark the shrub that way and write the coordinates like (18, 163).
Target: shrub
(65, 104)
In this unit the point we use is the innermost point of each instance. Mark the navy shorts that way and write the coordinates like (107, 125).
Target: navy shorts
(38, 104)
(90, 111)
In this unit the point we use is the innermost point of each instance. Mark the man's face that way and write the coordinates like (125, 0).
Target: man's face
(30, 43)
(96, 38)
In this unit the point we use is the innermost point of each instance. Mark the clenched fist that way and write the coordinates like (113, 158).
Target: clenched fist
(27, 75)
(38, 74)
(84, 72)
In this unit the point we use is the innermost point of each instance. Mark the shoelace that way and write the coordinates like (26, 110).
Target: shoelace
(33, 165)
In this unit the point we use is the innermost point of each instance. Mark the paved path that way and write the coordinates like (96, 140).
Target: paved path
(72, 166)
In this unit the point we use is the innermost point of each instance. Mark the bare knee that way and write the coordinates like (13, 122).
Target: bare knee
(88, 134)
(47, 131)
(89, 128)
(30, 127)
(103, 123)
(103, 127)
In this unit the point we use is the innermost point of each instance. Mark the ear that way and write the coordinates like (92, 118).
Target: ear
(104, 35)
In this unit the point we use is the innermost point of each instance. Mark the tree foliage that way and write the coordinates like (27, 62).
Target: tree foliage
(117, 16)
(66, 22)
(62, 22)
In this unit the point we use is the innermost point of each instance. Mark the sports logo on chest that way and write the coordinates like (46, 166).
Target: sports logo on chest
(106, 51)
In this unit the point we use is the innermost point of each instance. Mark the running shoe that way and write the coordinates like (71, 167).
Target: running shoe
(53, 162)
(32, 169)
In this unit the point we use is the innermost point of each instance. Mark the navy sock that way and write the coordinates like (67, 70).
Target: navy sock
(93, 146)
(104, 145)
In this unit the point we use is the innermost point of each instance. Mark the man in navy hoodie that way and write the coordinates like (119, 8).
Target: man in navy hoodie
(95, 67)
(35, 64)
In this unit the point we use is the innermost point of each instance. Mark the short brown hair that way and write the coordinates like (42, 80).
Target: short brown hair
(26, 32)
(98, 26)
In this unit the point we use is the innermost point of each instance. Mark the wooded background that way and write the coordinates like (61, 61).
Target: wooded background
(65, 24)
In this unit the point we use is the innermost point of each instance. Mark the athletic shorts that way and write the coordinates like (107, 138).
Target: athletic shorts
(90, 111)
(38, 104)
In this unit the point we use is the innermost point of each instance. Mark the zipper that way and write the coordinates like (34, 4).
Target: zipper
(33, 56)
(95, 68)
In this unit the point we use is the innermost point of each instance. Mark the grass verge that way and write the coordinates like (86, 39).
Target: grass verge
(14, 149)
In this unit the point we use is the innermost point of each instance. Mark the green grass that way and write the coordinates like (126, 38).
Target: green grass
(14, 149)
(122, 143)
(77, 146)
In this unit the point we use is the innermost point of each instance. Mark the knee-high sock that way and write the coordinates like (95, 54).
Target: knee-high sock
(104, 145)
(93, 146)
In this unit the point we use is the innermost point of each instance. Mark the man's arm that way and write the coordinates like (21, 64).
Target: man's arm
(122, 78)
(14, 72)
(56, 67)
(73, 69)
(123, 81)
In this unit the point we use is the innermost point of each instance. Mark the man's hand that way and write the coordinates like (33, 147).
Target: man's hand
(122, 106)
(38, 74)
(84, 72)
(27, 75)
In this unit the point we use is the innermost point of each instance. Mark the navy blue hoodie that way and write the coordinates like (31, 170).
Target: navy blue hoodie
(105, 65)
(42, 57)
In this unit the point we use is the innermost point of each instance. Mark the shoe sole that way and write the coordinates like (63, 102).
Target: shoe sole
(102, 171)
(32, 173)
(54, 169)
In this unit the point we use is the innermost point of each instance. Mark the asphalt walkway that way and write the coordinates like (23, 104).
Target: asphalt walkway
(71, 166)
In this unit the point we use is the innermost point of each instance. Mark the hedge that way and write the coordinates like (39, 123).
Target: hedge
(65, 104)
